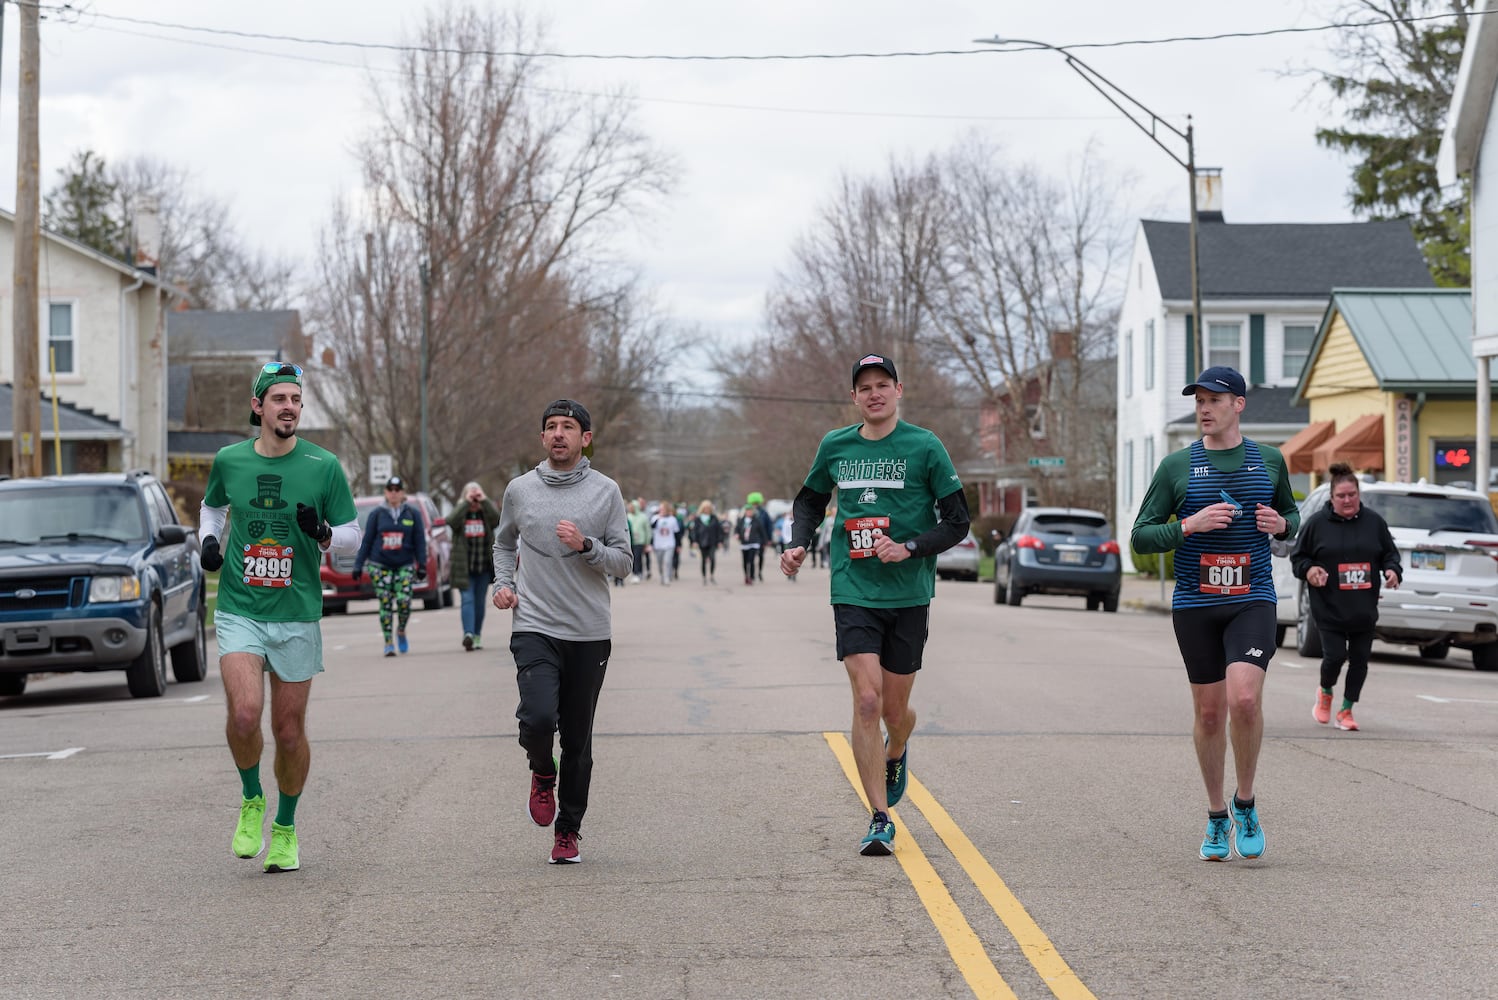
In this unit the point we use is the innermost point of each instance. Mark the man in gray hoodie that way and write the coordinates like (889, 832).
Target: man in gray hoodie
(569, 521)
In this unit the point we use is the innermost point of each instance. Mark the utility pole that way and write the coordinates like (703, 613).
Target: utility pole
(26, 398)
(426, 333)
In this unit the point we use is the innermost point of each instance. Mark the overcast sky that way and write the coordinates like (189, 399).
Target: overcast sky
(760, 144)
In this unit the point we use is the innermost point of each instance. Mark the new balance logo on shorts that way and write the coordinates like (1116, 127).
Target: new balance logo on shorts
(1254, 651)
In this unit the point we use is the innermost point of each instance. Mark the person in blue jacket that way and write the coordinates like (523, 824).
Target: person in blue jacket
(395, 550)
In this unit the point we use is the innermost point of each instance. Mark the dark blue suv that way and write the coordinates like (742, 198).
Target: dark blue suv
(97, 573)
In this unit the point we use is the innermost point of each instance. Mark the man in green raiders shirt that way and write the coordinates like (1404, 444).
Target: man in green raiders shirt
(281, 497)
(1228, 495)
(899, 503)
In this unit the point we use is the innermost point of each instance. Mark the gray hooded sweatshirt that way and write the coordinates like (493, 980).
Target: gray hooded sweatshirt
(563, 593)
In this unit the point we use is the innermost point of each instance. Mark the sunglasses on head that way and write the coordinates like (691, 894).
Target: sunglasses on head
(282, 368)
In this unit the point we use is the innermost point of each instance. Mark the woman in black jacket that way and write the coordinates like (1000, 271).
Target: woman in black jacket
(1344, 552)
(708, 534)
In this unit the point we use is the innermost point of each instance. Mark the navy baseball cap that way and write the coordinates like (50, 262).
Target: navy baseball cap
(1218, 378)
(874, 361)
(568, 408)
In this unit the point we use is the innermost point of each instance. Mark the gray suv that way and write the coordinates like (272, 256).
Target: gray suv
(1448, 542)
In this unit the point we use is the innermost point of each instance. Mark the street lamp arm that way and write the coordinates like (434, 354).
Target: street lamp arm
(1111, 92)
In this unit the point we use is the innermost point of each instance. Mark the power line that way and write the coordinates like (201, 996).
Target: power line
(75, 12)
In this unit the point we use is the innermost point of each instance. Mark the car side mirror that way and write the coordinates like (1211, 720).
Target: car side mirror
(171, 534)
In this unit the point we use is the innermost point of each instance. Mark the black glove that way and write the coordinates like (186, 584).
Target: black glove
(356, 575)
(210, 558)
(421, 574)
(314, 526)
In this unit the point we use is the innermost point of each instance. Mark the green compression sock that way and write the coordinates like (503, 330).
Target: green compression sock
(1346, 705)
(286, 809)
(249, 777)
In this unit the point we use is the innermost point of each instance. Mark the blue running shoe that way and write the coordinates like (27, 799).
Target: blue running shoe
(879, 842)
(1248, 835)
(894, 779)
(389, 649)
(1215, 843)
(401, 643)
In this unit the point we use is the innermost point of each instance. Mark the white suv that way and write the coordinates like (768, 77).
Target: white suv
(1448, 543)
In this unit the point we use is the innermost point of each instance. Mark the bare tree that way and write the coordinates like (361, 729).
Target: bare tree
(1024, 302)
(201, 249)
(508, 195)
(853, 286)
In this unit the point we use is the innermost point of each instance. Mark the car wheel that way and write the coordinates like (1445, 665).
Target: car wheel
(146, 677)
(335, 608)
(190, 659)
(998, 589)
(1436, 650)
(1012, 594)
(432, 601)
(447, 595)
(1110, 602)
(1279, 634)
(1093, 602)
(1485, 657)
(1307, 635)
(12, 685)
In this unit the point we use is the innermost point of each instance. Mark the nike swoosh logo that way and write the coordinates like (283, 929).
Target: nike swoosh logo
(1250, 468)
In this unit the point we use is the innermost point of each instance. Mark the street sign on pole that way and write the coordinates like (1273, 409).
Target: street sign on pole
(1049, 460)
(380, 469)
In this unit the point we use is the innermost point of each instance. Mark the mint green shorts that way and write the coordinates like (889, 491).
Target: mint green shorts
(292, 649)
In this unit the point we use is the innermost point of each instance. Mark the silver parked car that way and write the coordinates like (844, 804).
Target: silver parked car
(1059, 550)
(1448, 542)
(960, 562)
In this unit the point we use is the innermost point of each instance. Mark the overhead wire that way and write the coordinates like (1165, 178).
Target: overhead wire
(987, 50)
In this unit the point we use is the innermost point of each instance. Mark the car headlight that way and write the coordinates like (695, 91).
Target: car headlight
(112, 589)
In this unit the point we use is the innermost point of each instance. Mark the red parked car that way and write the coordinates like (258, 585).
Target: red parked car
(338, 586)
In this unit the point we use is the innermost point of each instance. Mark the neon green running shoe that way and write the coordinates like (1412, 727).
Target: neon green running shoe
(249, 836)
(282, 856)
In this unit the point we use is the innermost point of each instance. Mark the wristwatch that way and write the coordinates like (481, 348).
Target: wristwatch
(587, 545)
(910, 546)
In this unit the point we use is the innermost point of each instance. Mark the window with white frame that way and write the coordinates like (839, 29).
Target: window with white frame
(1128, 482)
(1149, 354)
(1035, 416)
(1128, 363)
(1298, 338)
(60, 344)
(1225, 344)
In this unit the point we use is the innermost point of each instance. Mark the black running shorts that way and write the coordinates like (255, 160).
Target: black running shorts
(1212, 637)
(898, 635)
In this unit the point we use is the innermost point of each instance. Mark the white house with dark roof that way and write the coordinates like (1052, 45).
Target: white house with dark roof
(1264, 292)
(102, 321)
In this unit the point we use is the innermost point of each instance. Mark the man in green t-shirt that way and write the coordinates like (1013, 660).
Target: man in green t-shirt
(899, 503)
(281, 498)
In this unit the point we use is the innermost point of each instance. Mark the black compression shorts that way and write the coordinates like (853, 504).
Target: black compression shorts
(898, 635)
(1212, 637)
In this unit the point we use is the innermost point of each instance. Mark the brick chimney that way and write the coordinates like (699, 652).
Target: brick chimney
(1063, 345)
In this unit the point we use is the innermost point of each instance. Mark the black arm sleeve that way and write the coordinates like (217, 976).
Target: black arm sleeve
(951, 529)
(807, 512)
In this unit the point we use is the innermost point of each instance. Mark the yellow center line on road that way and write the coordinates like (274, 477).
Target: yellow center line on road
(963, 944)
(1038, 948)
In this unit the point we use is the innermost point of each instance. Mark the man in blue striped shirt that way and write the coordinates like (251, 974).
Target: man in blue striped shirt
(1217, 502)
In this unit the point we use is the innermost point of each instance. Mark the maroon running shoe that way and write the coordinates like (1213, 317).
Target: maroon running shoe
(543, 801)
(565, 851)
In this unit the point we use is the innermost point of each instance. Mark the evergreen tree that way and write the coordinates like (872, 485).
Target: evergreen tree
(1396, 80)
(85, 205)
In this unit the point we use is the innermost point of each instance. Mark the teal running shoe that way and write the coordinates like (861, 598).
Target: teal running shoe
(249, 835)
(894, 779)
(1248, 835)
(1215, 843)
(283, 855)
(401, 643)
(879, 842)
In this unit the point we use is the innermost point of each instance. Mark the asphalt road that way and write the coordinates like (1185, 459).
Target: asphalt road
(1047, 847)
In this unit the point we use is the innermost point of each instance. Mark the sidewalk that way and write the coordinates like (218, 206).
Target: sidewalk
(1143, 593)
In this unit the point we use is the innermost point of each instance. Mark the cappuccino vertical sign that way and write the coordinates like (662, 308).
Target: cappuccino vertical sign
(1403, 457)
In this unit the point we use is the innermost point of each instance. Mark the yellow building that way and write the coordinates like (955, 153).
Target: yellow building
(1391, 385)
